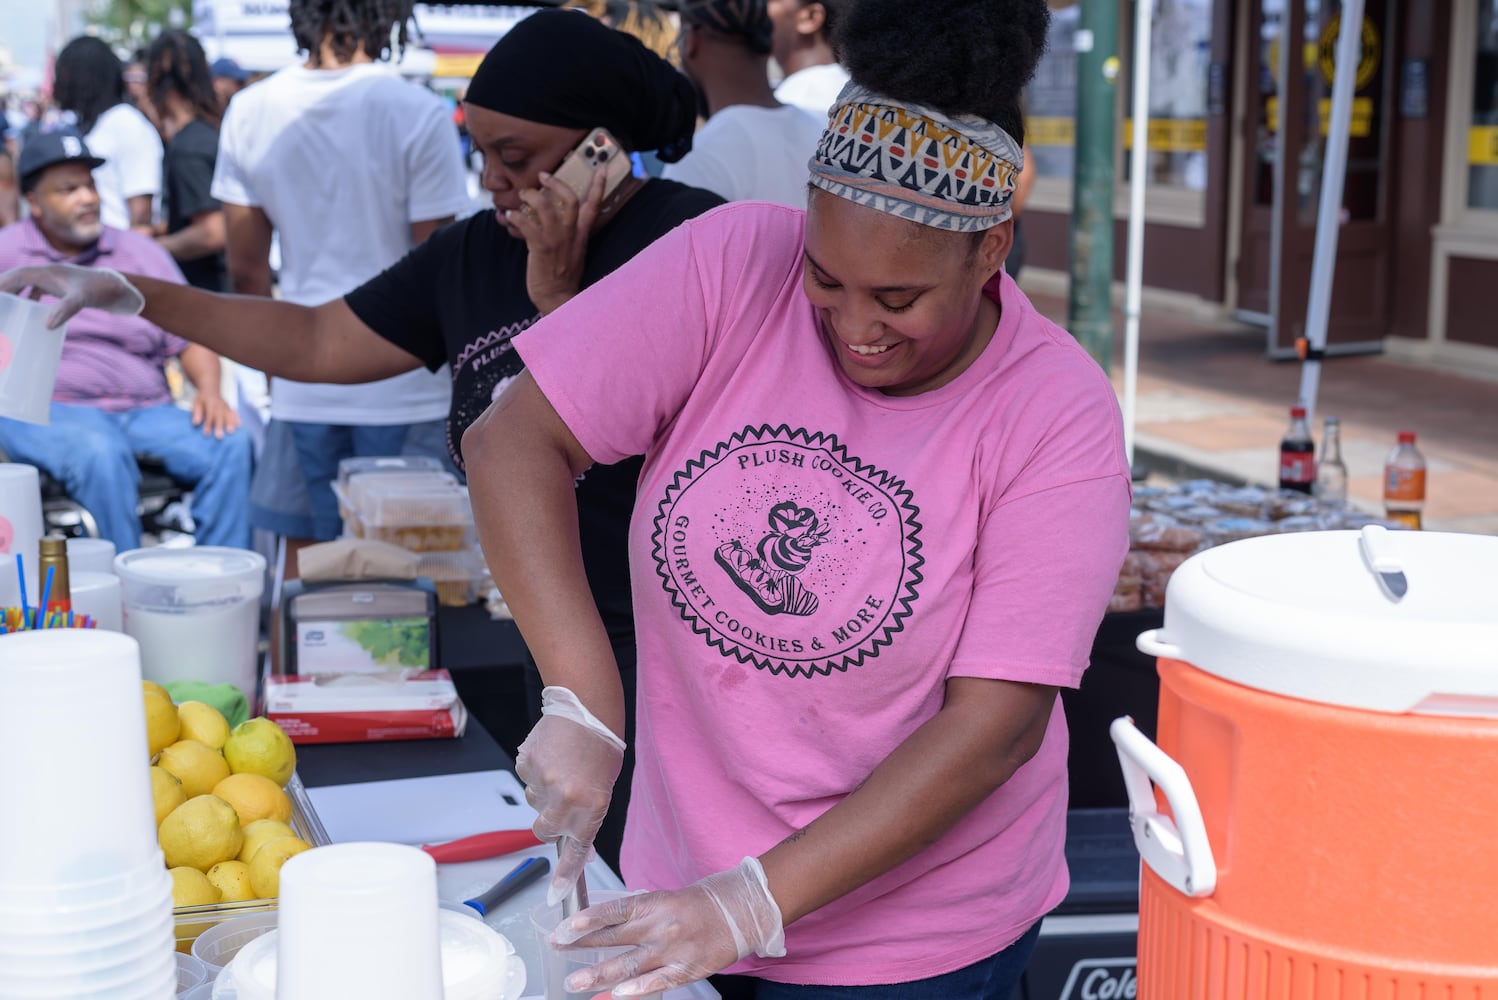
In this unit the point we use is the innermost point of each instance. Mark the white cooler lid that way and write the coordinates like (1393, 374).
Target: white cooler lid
(1308, 616)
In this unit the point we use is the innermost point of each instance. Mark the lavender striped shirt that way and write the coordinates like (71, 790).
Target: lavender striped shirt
(115, 363)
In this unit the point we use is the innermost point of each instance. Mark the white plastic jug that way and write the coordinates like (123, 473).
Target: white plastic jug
(29, 353)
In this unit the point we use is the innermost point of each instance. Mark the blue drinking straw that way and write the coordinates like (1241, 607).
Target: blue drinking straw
(21, 573)
(41, 609)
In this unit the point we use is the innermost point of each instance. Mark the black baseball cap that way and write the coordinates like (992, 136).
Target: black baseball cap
(47, 149)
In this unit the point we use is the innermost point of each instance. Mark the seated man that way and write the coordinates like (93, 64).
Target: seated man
(111, 402)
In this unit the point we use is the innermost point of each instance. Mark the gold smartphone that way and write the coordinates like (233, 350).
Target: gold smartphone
(599, 150)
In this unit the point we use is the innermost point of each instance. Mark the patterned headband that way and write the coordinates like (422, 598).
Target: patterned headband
(954, 173)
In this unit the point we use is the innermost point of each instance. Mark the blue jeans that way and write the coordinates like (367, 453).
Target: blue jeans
(992, 978)
(93, 453)
(292, 494)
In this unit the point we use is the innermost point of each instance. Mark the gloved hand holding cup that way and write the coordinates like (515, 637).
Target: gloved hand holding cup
(568, 763)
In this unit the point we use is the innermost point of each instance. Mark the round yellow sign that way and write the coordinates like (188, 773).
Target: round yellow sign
(1367, 64)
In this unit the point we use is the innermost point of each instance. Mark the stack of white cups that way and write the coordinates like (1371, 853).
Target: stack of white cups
(85, 900)
(94, 587)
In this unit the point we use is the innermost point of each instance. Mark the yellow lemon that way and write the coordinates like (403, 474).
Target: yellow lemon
(265, 867)
(162, 725)
(259, 832)
(203, 723)
(200, 833)
(232, 879)
(153, 686)
(166, 792)
(254, 796)
(191, 887)
(259, 746)
(196, 766)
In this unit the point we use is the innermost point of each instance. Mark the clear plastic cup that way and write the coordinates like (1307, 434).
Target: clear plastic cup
(203, 992)
(73, 732)
(559, 963)
(20, 527)
(29, 353)
(359, 920)
(192, 972)
(217, 946)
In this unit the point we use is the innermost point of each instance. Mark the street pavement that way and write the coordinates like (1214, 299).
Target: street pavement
(1211, 404)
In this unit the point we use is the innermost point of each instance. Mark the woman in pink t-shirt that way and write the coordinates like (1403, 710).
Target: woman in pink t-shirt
(882, 508)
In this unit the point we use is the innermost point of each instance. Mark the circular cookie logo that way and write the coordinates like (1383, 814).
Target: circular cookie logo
(7, 535)
(784, 551)
(7, 352)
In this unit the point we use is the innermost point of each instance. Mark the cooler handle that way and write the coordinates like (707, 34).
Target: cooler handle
(1177, 850)
(1151, 644)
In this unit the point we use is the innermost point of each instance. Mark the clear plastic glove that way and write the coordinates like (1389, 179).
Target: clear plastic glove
(76, 288)
(679, 936)
(569, 763)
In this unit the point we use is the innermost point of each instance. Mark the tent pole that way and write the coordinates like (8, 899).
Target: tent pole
(1138, 165)
(1329, 211)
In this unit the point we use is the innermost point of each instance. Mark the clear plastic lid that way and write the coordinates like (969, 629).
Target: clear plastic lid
(385, 465)
(1394, 621)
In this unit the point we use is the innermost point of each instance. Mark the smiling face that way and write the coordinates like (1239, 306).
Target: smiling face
(515, 152)
(910, 316)
(66, 207)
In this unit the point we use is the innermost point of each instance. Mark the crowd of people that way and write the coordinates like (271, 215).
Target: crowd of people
(776, 467)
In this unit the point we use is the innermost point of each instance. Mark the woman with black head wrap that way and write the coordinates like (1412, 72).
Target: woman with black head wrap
(461, 296)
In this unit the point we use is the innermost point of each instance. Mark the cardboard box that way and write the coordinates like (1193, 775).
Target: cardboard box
(363, 708)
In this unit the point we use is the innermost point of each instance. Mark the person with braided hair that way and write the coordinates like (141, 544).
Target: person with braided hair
(181, 89)
(350, 167)
(883, 507)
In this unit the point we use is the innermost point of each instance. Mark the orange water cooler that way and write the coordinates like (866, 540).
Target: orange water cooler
(1319, 819)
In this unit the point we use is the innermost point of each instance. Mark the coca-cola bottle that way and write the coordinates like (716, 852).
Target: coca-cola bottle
(1298, 454)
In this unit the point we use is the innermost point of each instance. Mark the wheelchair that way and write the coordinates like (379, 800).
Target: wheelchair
(162, 505)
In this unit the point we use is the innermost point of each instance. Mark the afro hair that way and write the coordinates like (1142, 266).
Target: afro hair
(970, 57)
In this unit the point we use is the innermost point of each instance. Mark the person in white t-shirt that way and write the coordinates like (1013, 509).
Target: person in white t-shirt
(802, 48)
(351, 167)
(752, 148)
(90, 84)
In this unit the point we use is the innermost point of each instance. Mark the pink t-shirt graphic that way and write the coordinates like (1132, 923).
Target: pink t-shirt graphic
(812, 561)
(787, 520)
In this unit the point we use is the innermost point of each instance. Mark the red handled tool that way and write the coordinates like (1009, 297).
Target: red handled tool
(481, 845)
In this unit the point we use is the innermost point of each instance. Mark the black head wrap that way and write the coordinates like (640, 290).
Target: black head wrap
(561, 67)
(746, 19)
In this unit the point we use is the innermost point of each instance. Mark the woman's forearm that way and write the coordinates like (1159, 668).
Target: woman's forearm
(522, 463)
(265, 334)
(325, 343)
(983, 734)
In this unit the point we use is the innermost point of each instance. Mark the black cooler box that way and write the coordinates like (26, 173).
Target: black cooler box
(1088, 945)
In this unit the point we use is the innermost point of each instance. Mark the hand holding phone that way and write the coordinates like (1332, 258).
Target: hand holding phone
(599, 151)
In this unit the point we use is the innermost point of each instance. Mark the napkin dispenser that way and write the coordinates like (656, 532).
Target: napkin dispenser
(358, 626)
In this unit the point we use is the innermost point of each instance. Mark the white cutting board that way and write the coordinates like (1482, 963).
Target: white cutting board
(426, 810)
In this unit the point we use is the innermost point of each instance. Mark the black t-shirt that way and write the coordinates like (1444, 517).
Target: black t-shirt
(460, 298)
(187, 176)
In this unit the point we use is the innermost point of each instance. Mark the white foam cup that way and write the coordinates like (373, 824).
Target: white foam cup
(84, 954)
(34, 928)
(559, 963)
(20, 526)
(76, 789)
(97, 595)
(195, 612)
(29, 353)
(359, 920)
(152, 973)
(90, 555)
